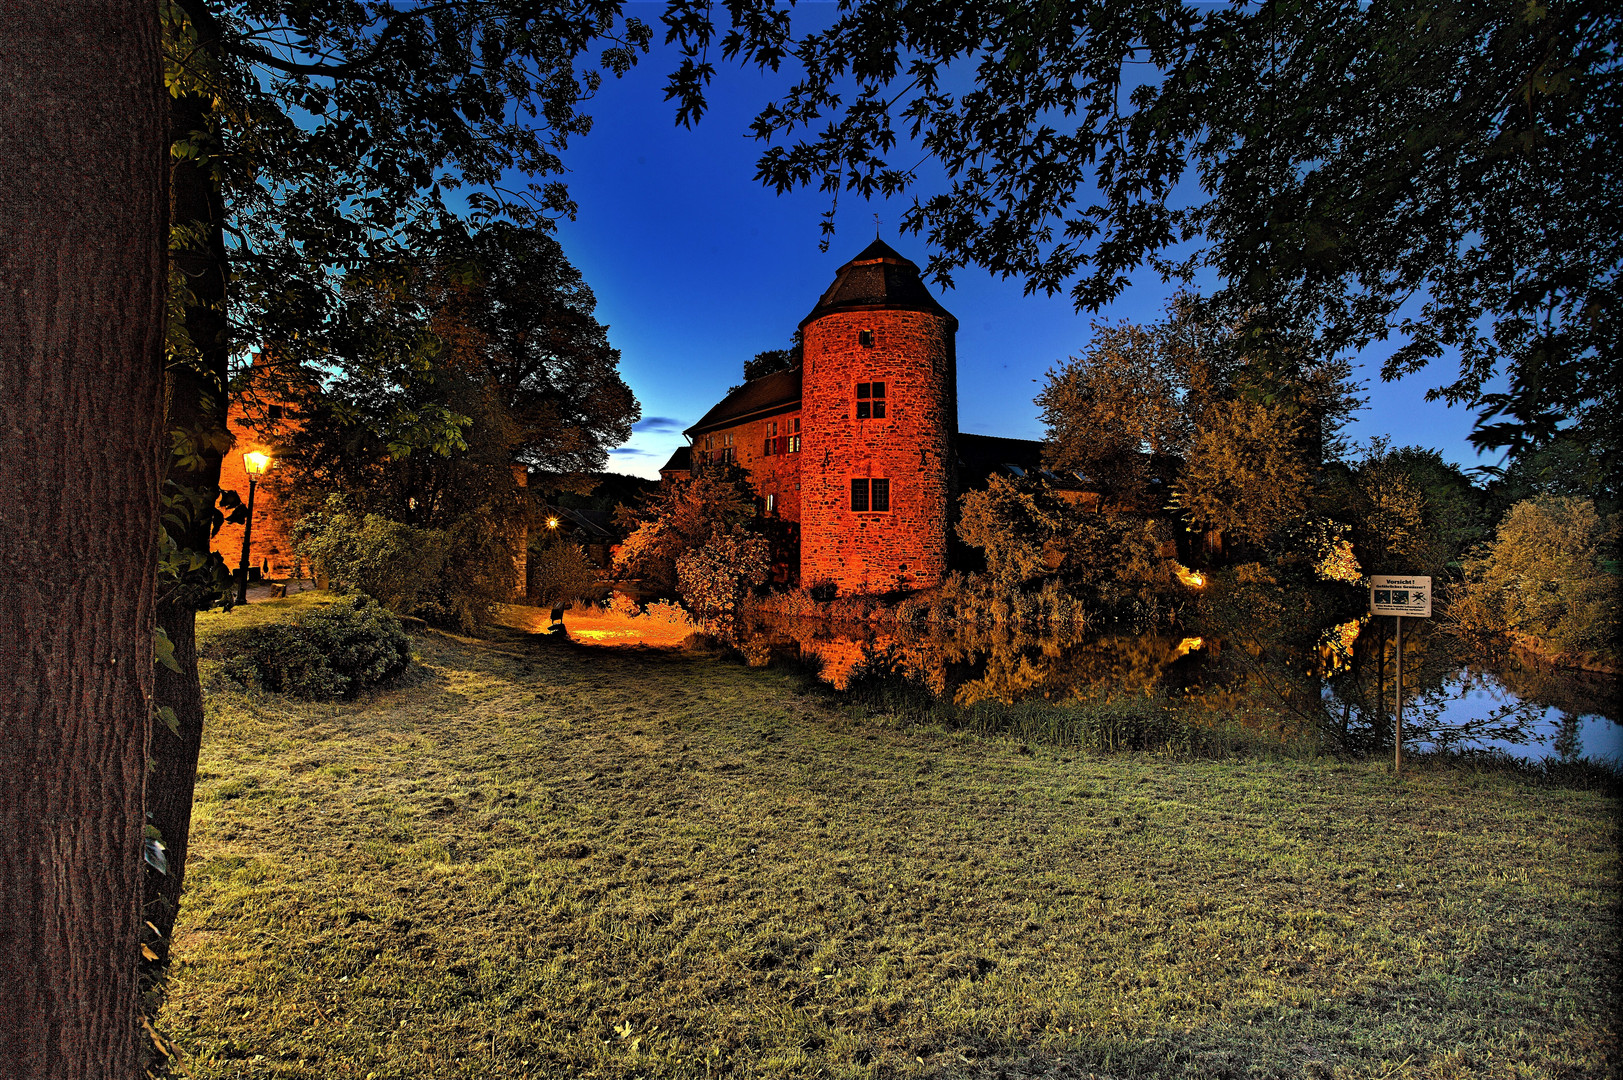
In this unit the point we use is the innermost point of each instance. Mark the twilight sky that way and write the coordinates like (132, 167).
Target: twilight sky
(697, 267)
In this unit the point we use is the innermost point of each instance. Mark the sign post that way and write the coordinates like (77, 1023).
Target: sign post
(1399, 595)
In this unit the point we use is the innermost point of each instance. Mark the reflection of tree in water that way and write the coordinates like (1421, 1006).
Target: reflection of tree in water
(1291, 680)
(978, 663)
(1363, 689)
(1021, 665)
(1577, 692)
(1567, 745)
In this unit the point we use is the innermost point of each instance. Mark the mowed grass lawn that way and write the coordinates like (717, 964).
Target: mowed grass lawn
(538, 859)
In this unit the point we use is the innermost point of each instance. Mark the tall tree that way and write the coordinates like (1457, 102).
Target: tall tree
(492, 340)
(81, 383)
(311, 139)
(1119, 400)
(1252, 417)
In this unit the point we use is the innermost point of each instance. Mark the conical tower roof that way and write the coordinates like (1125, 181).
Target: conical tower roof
(878, 279)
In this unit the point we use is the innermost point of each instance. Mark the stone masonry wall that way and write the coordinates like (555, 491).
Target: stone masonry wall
(776, 474)
(912, 447)
(269, 548)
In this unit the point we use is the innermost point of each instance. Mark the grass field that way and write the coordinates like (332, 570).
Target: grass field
(536, 859)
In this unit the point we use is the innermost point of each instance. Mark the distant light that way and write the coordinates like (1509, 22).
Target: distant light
(1193, 578)
(552, 523)
(256, 463)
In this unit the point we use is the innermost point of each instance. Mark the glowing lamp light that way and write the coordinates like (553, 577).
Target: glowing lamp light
(257, 463)
(552, 523)
(1193, 578)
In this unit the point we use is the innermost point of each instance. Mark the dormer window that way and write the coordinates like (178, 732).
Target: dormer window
(865, 338)
(870, 401)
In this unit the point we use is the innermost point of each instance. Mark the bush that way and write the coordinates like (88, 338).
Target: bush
(335, 651)
(1544, 582)
(396, 563)
(713, 579)
(451, 577)
(559, 573)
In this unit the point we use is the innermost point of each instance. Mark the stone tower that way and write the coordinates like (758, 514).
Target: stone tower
(879, 406)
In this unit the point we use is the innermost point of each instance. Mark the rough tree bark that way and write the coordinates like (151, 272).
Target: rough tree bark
(83, 204)
(197, 410)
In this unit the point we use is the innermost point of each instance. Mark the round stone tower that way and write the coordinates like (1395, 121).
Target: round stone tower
(879, 408)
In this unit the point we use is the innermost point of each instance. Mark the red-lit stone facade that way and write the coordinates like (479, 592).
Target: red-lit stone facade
(857, 444)
(768, 447)
(257, 426)
(879, 413)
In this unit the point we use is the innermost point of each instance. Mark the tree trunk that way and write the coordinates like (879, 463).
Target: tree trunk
(83, 202)
(197, 412)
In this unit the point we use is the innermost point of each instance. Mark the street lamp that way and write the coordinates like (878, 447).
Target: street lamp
(257, 464)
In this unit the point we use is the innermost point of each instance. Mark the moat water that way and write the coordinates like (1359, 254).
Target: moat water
(1513, 706)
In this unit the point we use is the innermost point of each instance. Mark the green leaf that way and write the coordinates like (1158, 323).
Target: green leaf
(163, 650)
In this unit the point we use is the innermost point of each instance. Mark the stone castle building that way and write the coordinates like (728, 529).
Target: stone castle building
(858, 448)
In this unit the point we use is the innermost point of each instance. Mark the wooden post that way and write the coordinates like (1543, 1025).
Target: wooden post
(1380, 682)
(1397, 732)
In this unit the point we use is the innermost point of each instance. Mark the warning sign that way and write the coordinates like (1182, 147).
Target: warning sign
(1390, 594)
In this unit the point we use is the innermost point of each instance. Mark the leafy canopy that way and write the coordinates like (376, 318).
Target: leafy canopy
(1441, 173)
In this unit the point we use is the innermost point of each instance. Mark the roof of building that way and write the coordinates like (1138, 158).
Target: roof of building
(681, 461)
(980, 456)
(878, 279)
(774, 393)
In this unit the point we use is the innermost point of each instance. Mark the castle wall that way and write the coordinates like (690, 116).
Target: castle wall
(910, 448)
(776, 473)
(270, 549)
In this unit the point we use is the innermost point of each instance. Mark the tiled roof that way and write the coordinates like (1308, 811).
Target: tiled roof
(774, 393)
(681, 461)
(982, 455)
(878, 279)
(979, 456)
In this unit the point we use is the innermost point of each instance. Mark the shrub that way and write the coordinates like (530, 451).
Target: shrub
(395, 563)
(559, 572)
(1544, 581)
(713, 579)
(480, 572)
(663, 611)
(335, 651)
(451, 576)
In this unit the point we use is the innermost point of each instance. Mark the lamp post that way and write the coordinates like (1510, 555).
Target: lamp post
(557, 623)
(256, 464)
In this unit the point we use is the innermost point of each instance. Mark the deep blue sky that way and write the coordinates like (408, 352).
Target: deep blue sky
(697, 267)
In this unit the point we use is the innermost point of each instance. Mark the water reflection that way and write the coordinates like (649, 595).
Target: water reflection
(1571, 715)
(1342, 692)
